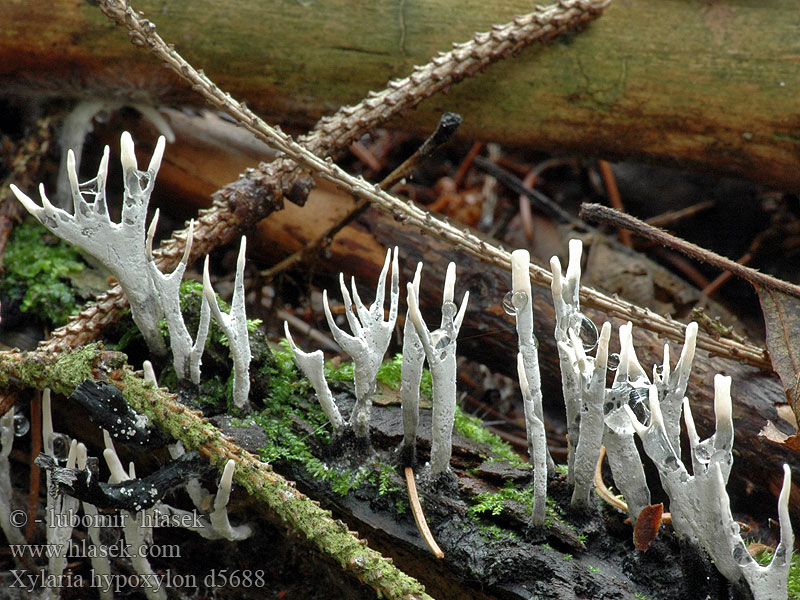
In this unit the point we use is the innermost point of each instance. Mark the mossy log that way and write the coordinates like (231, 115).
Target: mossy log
(581, 554)
(707, 84)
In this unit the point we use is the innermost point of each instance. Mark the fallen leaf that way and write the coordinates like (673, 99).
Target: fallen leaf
(775, 435)
(782, 321)
(647, 525)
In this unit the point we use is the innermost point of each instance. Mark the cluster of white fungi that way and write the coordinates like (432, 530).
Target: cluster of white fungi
(597, 415)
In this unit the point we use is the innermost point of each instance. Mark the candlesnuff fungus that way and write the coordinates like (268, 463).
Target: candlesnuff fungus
(522, 303)
(234, 324)
(186, 355)
(410, 378)
(312, 364)
(566, 302)
(120, 247)
(440, 349)
(537, 445)
(700, 505)
(591, 375)
(370, 339)
(219, 517)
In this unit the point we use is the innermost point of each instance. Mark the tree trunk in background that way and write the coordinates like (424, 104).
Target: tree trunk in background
(710, 84)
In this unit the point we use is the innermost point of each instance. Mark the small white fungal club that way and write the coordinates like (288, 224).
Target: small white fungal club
(234, 325)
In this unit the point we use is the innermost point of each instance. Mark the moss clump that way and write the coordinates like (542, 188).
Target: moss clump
(38, 267)
(473, 428)
(493, 502)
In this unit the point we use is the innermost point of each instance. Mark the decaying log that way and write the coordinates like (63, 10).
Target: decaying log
(631, 86)
(488, 333)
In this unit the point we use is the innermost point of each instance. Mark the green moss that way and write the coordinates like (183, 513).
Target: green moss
(37, 270)
(65, 373)
(473, 428)
(493, 533)
(593, 569)
(494, 502)
(793, 582)
(566, 556)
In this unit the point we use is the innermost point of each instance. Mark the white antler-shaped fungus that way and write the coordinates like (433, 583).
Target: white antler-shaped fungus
(186, 355)
(566, 301)
(629, 390)
(371, 335)
(118, 246)
(591, 375)
(235, 327)
(699, 504)
(440, 349)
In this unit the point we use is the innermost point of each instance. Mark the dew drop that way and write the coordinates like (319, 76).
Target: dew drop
(613, 361)
(514, 302)
(60, 445)
(449, 310)
(586, 329)
(508, 304)
(21, 425)
(588, 333)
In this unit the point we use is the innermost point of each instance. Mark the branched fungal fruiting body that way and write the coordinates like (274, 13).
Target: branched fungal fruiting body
(700, 505)
(440, 349)
(186, 355)
(591, 374)
(118, 246)
(234, 325)
(370, 339)
(219, 518)
(566, 302)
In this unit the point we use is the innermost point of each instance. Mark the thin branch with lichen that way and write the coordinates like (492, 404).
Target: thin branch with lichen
(64, 372)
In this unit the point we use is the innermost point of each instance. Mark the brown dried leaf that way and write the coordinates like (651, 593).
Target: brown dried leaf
(771, 433)
(782, 321)
(647, 525)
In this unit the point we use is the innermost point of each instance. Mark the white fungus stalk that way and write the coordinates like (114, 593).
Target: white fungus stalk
(370, 339)
(411, 377)
(60, 531)
(312, 364)
(120, 247)
(522, 301)
(566, 302)
(628, 389)
(100, 564)
(234, 325)
(136, 530)
(591, 374)
(219, 518)
(440, 349)
(672, 384)
(537, 445)
(186, 355)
